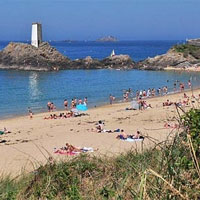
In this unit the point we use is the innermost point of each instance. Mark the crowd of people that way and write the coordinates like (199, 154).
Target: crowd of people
(74, 102)
(151, 92)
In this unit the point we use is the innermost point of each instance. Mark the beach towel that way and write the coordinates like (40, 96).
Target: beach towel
(133, 140)
(83, 150)
(65, 153)
(87, 149)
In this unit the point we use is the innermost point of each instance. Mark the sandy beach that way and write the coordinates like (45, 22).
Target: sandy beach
(189, 69)
(32, 141)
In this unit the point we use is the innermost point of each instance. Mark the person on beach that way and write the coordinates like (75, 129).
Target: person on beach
(111, 97)
(75, 102)
(127, 94)
(5, 131)
(182, 87)
(166, 90)
(174, 86)
(137, 136)
(85, 102)
(137, 94)
(66, 104)
(30, 113)
(49, 106)
(52, 107)
(144, 94)
(185, 95)
(189, 84)
(167, 103)
(140, 94)
(153, 92)
(100, 126)
(80, 101)
(122, 135)
(149, 92)
(72, 104)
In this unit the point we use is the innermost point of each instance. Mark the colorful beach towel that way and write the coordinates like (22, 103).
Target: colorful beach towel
(65, 153)
(83, 150)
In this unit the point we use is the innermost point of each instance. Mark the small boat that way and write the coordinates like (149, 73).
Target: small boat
(112, 53)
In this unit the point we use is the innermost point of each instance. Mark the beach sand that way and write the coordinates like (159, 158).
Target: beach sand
(32, 141)
(189, 69)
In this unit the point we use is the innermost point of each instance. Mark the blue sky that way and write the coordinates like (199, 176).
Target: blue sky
(91, 19)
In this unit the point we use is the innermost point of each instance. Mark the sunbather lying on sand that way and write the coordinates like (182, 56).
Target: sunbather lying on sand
(124, 136)
(168, 125)
(167, 103)
(60, 116)
(5, 131)
(70, 149)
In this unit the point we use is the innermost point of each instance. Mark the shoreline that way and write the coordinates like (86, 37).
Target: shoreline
(189, 69)
(101, 105)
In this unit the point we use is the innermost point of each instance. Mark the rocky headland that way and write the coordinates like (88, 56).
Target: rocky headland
(21, 56)
(184, 56)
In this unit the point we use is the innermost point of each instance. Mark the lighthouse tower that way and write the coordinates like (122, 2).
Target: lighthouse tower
(36, 37)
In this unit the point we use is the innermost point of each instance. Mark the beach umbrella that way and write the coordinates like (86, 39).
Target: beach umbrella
(135, 105)
(81, 107)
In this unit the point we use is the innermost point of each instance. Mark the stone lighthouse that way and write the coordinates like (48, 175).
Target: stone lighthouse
(36, 37)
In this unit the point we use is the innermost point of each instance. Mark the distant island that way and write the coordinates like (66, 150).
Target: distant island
(107, 39)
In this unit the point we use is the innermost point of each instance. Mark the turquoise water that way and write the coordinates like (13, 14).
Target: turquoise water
(20, 90)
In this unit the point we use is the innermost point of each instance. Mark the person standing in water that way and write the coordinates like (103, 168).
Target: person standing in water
(30, 113)
(66, 104)
(111, 99)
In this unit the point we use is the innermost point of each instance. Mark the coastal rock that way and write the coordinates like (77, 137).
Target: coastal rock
(23, 56)
(179, 56)
(86, 63)
(118, 62)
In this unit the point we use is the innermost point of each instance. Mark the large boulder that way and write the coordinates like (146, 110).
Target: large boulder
(118, 62)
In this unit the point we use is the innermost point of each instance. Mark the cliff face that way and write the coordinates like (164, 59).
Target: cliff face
(179, 56)
(22, 56)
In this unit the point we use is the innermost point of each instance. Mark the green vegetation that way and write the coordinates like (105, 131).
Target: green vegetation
(168, 171)
(187, 49)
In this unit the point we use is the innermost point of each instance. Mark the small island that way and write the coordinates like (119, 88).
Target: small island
(107, 39)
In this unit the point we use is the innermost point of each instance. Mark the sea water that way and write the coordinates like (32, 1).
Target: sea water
(22, 89)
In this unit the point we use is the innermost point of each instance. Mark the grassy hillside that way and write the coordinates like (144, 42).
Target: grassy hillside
(187, 49)
(168, 171)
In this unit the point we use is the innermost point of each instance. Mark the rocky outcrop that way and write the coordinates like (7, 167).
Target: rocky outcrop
(22, 56)
(118, 62)
(180, 56)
